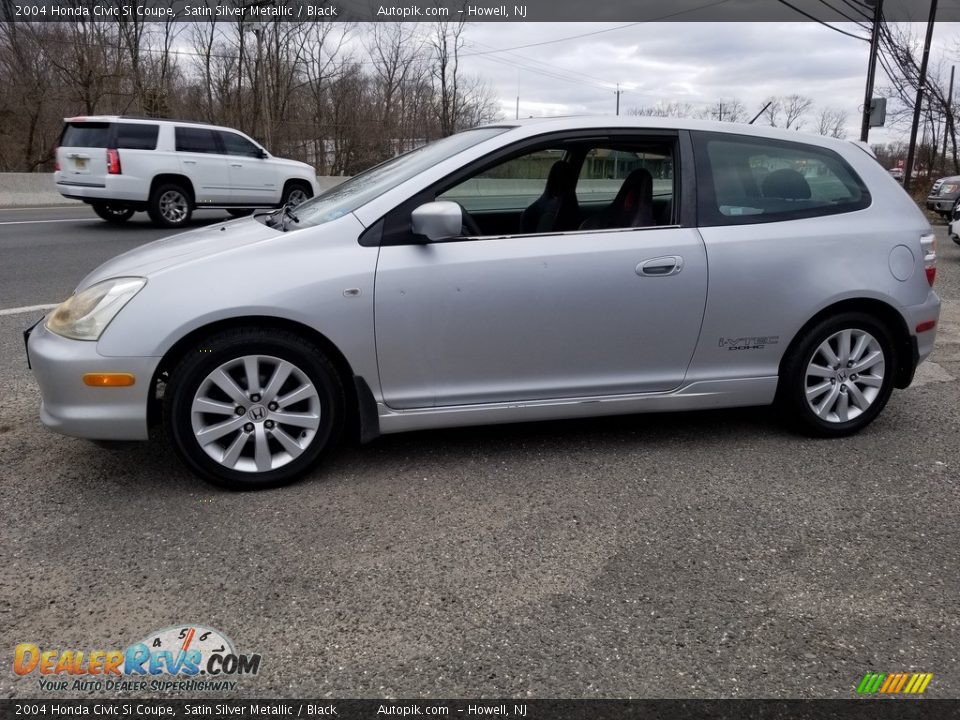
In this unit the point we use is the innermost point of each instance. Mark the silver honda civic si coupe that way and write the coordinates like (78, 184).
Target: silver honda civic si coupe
(530, 270)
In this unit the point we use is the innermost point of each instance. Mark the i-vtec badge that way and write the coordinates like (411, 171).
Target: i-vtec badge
(749, 343)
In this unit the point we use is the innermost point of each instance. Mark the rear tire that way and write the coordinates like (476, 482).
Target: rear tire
(170, 205)
(253, 408)
(113, 212)
(839, 376)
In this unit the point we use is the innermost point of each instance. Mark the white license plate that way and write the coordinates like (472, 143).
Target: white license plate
(80, 163)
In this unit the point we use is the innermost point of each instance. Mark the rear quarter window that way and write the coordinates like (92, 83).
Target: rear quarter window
(85, 134)
(745, 180)
(137, 136)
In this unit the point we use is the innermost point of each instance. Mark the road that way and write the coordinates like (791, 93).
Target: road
(681, 555)
(47, 251)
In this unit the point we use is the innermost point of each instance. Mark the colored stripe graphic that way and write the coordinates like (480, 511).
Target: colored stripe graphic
(894, 683)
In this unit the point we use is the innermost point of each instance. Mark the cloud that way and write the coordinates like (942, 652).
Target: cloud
(690, 62)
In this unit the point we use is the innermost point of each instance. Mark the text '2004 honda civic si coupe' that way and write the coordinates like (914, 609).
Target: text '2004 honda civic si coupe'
(542, 269)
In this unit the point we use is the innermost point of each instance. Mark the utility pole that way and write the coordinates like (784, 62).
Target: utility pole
(948, 120)
(617, 93)
(922, 80)
(871, 69)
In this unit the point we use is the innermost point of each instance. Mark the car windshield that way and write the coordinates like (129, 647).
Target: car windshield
(360, 189)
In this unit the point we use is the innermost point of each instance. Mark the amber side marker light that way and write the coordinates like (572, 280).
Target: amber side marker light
(109, 379)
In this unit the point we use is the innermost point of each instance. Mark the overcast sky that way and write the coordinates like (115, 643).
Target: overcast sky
(688, 62)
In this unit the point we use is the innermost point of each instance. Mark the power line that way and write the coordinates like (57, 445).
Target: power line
(599, 32)
(858, 23)
(821, 22)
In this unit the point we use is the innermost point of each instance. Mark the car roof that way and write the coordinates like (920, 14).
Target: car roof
(137, 119)
(598, 122)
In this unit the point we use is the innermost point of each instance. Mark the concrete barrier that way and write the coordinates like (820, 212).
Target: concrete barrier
(21, 190)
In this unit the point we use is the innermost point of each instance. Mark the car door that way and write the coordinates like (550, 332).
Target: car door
(202, 160)
(512, 318)
(253, 178)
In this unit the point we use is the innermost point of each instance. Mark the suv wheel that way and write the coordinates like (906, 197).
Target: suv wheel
(253, 408)
(296, 193)
(839, 376)
(170, 205)
(112, 212)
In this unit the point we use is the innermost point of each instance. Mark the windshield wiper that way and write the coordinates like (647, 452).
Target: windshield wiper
(287, 212)
(277, 218)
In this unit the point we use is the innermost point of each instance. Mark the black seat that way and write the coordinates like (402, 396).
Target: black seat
(632, 207)
(557, 210)
(785, 184)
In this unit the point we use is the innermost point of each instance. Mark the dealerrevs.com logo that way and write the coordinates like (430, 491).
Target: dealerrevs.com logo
(183, 657)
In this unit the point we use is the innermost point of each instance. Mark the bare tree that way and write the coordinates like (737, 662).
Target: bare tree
(795, 108)
(832, 122)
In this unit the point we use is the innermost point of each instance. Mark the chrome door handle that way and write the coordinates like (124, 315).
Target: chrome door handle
(661, 266)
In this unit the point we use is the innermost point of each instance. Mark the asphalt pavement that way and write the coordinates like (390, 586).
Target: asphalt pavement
(709, 554)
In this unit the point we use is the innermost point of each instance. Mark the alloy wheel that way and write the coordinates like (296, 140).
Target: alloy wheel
(173, 206)
(255, 413)
(844, 376)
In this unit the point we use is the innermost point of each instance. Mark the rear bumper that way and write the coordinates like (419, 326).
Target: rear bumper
(72, 408)
(112, 187)
(921, 342)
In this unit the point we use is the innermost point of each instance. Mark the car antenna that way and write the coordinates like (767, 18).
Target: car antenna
(760, 113)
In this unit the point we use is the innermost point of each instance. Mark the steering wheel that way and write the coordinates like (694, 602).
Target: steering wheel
(469, 225)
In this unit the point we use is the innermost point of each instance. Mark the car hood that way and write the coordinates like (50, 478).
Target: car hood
(178, 249)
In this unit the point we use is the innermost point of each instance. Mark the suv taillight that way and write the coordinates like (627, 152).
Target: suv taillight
(56, 160)
(113, 162)
(928, 245)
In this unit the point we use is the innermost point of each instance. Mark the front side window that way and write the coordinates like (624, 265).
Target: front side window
(370, 184)
(751, 180)
(511, 185)
(196, 140)
(236, 145)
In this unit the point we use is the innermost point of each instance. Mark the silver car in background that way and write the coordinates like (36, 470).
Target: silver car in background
(542, 269)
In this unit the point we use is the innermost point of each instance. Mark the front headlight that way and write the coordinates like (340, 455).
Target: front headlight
(948, 189)
(85, 315)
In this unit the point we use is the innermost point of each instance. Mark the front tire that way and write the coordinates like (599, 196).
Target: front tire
(240, 212)
(253, 408)
(170, 205)
(112, 212)
(295, 193)
(839, 376)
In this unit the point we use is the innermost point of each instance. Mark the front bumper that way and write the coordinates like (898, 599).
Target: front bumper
(941, 204)
(72, 408)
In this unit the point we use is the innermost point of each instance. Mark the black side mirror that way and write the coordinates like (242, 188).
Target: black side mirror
(262, 154)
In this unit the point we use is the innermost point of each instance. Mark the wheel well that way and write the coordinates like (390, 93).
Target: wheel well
(183, 345)
(181, 180)
(883, 312)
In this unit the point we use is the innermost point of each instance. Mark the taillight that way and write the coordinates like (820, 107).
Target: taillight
(113, 162)
(928, 245)
(56, 160)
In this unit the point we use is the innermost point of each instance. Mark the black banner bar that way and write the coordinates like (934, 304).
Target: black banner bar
(866, 709)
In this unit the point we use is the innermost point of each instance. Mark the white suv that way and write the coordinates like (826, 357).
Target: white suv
(121, 165)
